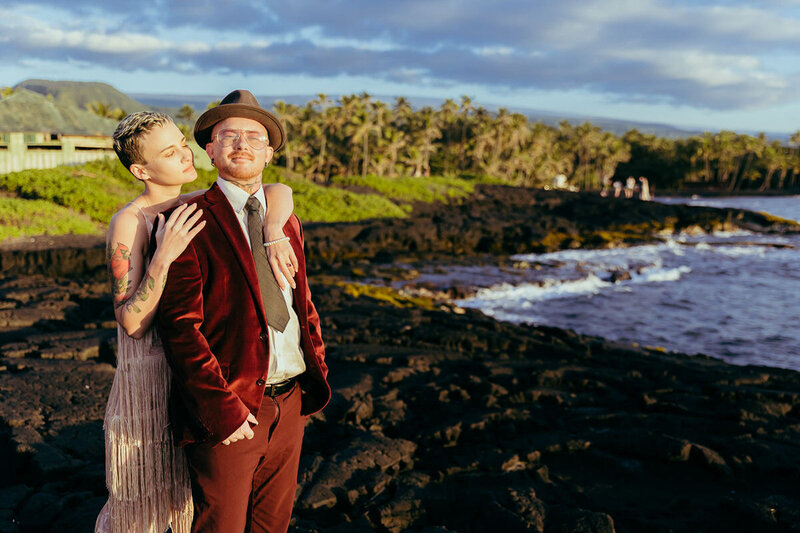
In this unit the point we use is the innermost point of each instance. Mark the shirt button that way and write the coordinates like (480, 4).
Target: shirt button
(260, 382)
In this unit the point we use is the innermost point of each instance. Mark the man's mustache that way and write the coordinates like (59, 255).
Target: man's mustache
(241, 153)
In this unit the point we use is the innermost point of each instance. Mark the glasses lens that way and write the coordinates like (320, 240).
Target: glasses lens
(231, 137)
(227, 138)
(256, 141)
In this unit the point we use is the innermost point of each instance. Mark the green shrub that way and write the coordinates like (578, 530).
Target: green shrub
(23, 218)
(408, 189)
(97, 189)
(68, 197)
(315, 203)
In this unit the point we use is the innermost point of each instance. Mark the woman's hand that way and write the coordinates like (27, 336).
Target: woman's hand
(282, 258)
(280, 255)
(174, 236)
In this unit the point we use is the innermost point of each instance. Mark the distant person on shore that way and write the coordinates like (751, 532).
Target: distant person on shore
(146, 474)
(606, 187)
(630, 187)
(617, 189)
(247, 355)
(644, 189)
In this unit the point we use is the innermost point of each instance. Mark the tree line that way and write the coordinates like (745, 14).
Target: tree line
(359, 135)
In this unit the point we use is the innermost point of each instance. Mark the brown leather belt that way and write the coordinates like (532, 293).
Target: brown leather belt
(277, 389)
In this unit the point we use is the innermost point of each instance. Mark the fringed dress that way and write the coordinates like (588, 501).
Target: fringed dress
(146, 474)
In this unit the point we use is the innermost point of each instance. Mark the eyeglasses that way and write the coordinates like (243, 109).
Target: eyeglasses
(231, 137)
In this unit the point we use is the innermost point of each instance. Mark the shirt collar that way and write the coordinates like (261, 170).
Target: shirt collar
(238, 197)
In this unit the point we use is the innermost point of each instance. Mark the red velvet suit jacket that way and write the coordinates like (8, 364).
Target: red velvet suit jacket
(214, 330)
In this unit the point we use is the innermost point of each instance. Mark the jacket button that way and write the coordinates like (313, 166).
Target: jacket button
(260, 382)
(263, 337)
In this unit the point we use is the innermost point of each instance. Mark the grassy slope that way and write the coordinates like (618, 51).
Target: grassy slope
(82, 199)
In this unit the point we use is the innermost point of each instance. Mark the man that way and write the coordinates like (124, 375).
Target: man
(248, 358)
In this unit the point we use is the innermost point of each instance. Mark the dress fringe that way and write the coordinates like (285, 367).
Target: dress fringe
(146, 474)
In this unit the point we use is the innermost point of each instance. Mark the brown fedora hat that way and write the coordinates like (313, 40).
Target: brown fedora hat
(239, 103)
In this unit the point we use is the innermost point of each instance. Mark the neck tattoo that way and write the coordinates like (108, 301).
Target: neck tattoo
(250, 187)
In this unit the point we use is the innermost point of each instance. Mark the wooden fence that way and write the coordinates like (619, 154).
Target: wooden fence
(25, 151)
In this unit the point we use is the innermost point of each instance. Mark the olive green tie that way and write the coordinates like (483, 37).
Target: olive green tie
(271, 295)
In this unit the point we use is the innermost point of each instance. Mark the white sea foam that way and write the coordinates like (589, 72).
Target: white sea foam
(730, 234)
(607, 259)
(738, 251)
(662, 275)
(522, 296)
(529, 292)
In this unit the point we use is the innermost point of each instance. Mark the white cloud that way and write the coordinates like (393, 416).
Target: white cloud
(193, 47)
(751, 24)
(495, 51)
(28, 33)
(695, 53)
(703, 68)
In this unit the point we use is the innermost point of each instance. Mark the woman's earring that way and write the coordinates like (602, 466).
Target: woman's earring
(212, 162)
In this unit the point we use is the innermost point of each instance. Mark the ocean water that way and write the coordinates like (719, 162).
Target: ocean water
(735, 296)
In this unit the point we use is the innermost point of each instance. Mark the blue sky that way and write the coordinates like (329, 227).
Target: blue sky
(699, 64)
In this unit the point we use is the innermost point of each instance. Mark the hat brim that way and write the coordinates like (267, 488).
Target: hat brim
(205, 124)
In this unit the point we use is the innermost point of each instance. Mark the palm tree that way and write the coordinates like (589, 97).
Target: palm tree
(773, 157)
(429, 131)
(585, 141)
(186, 113)
(102, 109)
(394, 141)
(751, 149)
(324, 103)
(402, 113)
(359, 128)
(794, 143)
(612, 151)
(447, 115)
(288, 115)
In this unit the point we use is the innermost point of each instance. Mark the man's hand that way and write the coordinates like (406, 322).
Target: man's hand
(244, 431)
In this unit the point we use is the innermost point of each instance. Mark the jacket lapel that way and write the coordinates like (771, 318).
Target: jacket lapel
(223, 213)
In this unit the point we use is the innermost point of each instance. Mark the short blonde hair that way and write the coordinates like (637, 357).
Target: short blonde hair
(129, 132)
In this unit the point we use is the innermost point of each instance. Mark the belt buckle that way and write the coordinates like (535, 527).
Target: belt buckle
(270, 390)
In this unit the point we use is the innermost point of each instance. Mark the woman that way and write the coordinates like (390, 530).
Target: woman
(146, 474)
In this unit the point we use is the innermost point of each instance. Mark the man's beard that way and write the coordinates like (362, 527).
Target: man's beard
(243, 172)
(248, 173)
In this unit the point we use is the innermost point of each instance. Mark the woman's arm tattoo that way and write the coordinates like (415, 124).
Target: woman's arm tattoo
(141, 294)
(119, 266)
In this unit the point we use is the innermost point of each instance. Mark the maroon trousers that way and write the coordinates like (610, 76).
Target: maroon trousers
(249, 485)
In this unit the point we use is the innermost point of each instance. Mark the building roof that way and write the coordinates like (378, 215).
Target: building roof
(29, 112)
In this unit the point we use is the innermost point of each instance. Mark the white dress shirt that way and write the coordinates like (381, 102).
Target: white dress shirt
(286, 357)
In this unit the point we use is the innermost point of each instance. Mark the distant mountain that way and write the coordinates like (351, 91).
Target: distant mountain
(27, 111)
(81, 94)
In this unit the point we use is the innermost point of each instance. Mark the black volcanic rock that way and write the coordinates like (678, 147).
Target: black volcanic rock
(441, 419)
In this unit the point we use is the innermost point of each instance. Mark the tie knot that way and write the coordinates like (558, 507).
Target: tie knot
(253, 205)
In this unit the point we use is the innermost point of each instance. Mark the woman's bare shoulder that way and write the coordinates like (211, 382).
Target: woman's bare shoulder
(128, 221)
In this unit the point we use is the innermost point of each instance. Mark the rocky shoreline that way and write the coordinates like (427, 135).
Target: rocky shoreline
(442, 419)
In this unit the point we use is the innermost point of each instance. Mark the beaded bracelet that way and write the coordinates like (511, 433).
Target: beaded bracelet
(276, 241)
